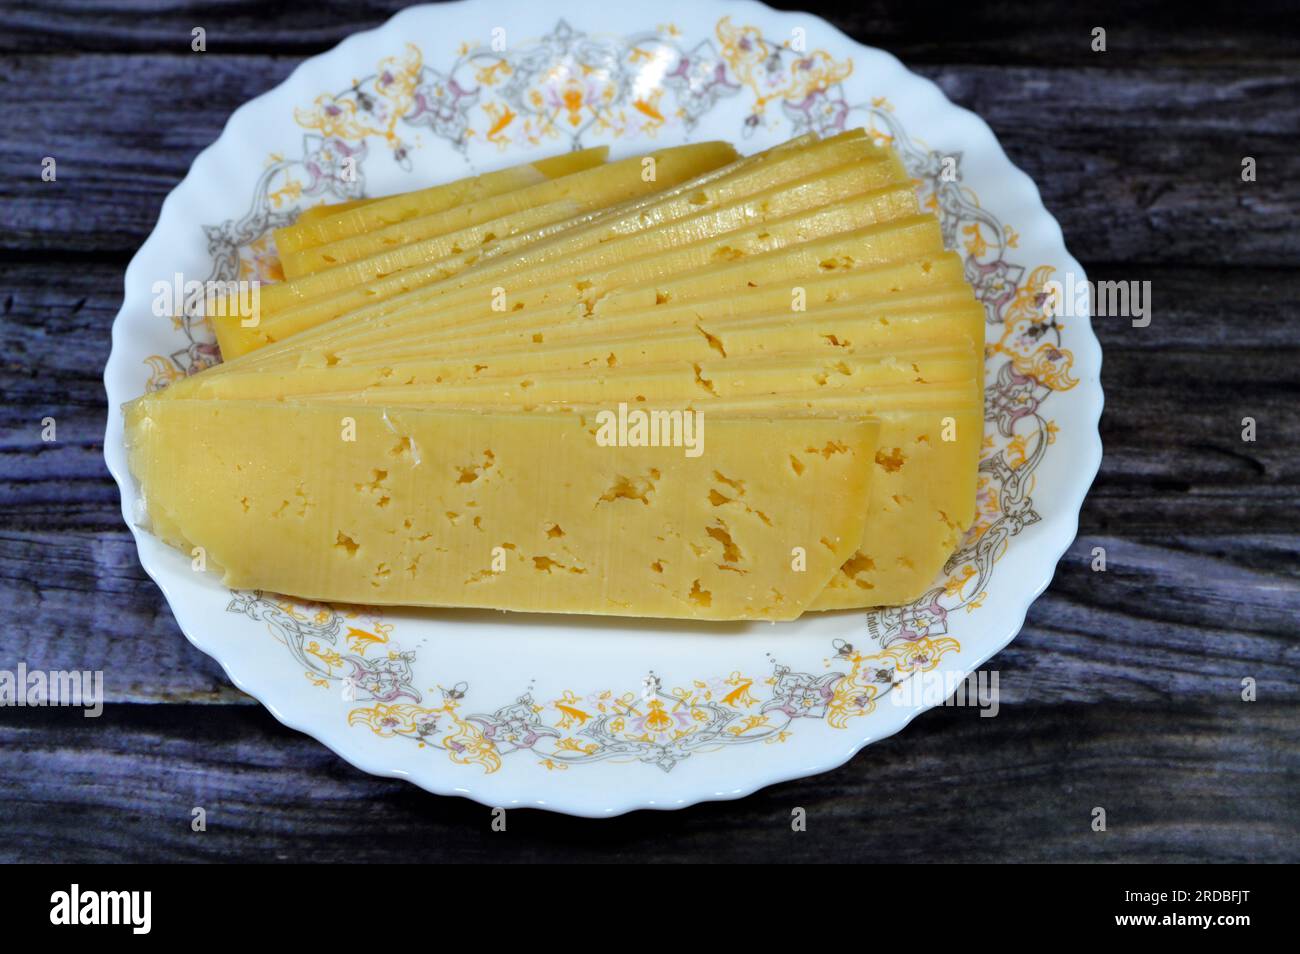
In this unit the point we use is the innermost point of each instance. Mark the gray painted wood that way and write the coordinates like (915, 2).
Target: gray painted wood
(1123, 194)
(1221, 609)
(1181, 780)
(1123, 689)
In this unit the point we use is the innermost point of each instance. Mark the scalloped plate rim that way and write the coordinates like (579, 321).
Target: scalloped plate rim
(1059, 526)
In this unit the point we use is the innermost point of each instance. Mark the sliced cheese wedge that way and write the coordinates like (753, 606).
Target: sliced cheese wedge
(314, 300)
(923, 500)
(325, 224)
(768, 296)
(504, 509)
(644, 282)
(868, 288)
(945, 319)
(585, 279)
(923, 491)
(590, 188)
(369, 282)
(457, 235)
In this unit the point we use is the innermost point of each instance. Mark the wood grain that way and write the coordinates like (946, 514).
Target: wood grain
(1179, 780)
(1173, 458)
(1153, 34)
(1187, 614)
(1124, 195)
(1122, 690)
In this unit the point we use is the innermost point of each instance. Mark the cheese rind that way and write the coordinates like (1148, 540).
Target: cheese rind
(678, 381)
(515, 511)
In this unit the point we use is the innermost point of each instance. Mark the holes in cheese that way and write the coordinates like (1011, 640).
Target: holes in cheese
(284, 314)
(855, 330)
(645, 281)
(453, 234)
(293, 306)
(590, 188)
(867, 287)
(935, 473)
(733, 377)
(309, 521)
(324, 224)
(677, 249)
(796, 299)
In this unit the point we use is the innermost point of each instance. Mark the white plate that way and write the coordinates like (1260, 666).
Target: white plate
(593, 716)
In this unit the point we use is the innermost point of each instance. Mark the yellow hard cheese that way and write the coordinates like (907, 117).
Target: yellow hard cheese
(924, 486)
(283, 314)
(868, 288)
(661, 280)
(379, 420)
(286, 307)
(324, 224)
(592, 188)
(676, 248)
(687, 380)
(922, 490)
(922, 493)
(317, 212)
(635, 286)
(390, 280)
(517, 511)
(540, 235)
(669, 197)
(854, 330)
(457, 236)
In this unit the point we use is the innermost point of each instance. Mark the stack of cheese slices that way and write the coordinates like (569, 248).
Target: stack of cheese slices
(439, 405)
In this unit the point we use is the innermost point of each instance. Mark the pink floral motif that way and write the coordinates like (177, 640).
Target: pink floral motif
(384, 680)
(516, 726)
(699, 80)
(800, 695)
(442, 104)
(821, 111)
(328, 167)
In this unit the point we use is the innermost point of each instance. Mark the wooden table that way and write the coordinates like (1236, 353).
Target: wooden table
(1122, 691)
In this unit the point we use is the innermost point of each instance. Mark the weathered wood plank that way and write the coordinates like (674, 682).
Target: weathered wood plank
(115, 166)
(1151, 481)
(1181, 616)
(1125, 195)
(1174, 457)
(1123, 688)
(1191, 780)
(56, 310)
(991, 33)
(1083, 134)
